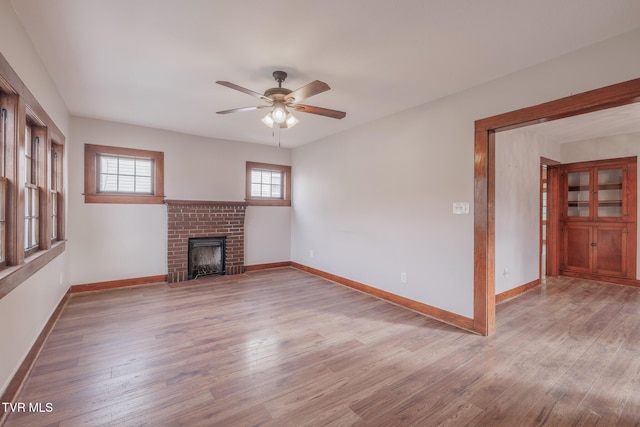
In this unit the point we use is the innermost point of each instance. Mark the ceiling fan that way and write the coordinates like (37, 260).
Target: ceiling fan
(280, 99)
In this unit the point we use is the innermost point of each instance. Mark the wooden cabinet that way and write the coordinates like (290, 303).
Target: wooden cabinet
(598, 210)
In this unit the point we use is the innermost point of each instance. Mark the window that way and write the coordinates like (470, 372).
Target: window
(3, 221)
(31, 190)
(55, 192)
(268, 185)
(123, 175)
(28, 215)
(3, 184)
(29, 177)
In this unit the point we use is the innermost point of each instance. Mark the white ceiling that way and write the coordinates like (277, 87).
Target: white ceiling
(613, 121)
(154, 62)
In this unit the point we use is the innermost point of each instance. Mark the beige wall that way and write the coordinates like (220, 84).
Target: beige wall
(517, 205)
(112, 242)
(377, 201)
(26, 309)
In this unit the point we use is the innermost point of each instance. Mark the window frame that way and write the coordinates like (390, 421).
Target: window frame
(21, 109)
(285, 170)
(56, 194)
(92, 154)
(35, 179)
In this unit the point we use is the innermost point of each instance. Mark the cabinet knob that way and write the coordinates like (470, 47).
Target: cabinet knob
(594, 244)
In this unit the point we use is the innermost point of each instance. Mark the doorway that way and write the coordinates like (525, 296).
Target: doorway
(484, 179)
(544, 213)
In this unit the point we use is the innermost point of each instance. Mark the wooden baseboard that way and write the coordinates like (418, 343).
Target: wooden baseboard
(599, 278)
(208, 280)
(14, 388)
(434, 312)
(257, 267)
(114, 284)
(512, 293)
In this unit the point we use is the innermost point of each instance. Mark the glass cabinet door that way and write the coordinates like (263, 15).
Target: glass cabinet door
(578, 193)
(609, 192)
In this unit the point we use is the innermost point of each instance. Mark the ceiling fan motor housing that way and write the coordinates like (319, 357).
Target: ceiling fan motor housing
(278, 93)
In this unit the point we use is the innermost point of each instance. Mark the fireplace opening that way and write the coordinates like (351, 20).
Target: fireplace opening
(206, 256)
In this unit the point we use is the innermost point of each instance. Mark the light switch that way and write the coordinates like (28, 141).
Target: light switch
(461, 208)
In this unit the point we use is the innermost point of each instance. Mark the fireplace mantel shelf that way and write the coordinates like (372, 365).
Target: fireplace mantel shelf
(204, 202)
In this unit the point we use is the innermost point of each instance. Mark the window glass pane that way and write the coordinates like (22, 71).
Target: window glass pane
(109, 164)
(143, 167)
(143, 184)
(125, 175)
(34, 233)
(266, 177)
(2, 234)
(27, 141)
(266, 184)
(109, 183)
(126, 184)
(2, 203)
(126, 166)
(35, 205)
(54, 203)
(26, 233)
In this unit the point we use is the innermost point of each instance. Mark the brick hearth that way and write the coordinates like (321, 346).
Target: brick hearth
(192, 218)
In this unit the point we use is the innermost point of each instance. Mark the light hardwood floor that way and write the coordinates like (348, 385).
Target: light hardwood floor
(285, 348)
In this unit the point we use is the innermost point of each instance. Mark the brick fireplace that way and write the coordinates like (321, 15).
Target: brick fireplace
(198, 219)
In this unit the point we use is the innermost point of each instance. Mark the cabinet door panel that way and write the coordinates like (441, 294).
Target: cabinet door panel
(610, 192)
(610, 252)
(577, 239)
(578, 194)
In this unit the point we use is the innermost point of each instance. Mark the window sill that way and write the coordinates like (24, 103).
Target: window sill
(123, 199)
(11, 277)
(268, 202)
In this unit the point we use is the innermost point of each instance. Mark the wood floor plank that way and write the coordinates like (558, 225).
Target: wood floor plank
(285, 348)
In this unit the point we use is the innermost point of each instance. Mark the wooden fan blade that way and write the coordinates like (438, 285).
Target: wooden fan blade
(243, 89)
(313, 88)
(334, 114)
(237, 110)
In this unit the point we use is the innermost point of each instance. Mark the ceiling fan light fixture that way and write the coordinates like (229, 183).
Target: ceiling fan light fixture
(279, 113)
(291, 121)
(268, 120)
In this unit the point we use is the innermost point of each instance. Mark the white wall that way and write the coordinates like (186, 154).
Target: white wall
(112, 241)
(26, 309)
(517, 205)
(377, 200)
(604, 148)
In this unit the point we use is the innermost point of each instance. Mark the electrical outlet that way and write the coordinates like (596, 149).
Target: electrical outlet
(403, 277)
(311, 253)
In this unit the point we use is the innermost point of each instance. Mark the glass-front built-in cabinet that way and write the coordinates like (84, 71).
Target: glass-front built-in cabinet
(598, 192)
(598, 202)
